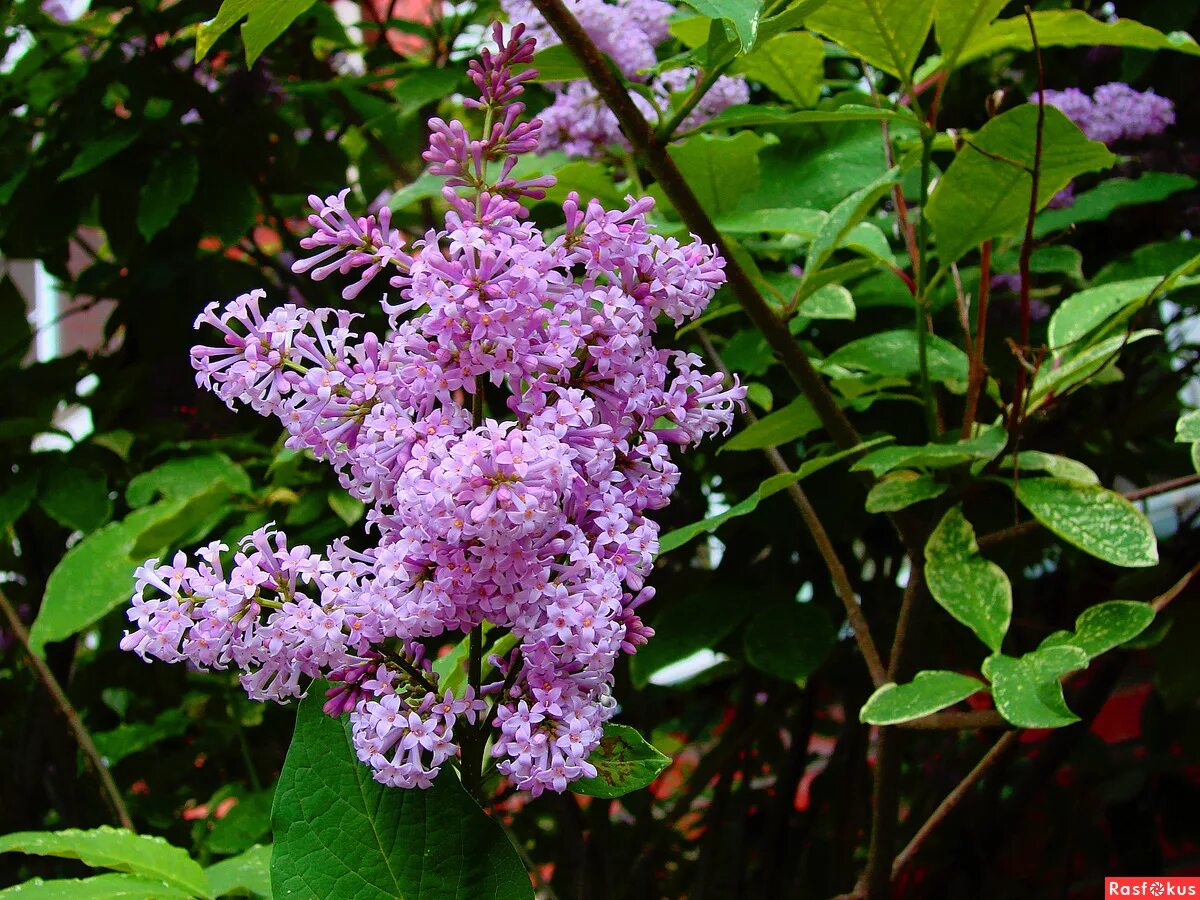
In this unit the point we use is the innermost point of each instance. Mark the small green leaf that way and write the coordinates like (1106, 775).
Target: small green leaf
(842, 218)
(246, 823)
(348, 509)
(832, 301)
(790, 423)
(110, 886)
(1082, 366)
(16, 498)
(1071, 28)
(1187, 429)
(99, 150)
(133, 737)
(790, 64)
(1110, 195)
(1058, 466)
(894, 354)
(265, 21)
(186, 477)
(1028, 690)
(118, 849)
(683, 628)
(1105, 626)
(624, 761)
(901, 490)
(169, 185)
(555, 64)
(927, 693)
(789, 640)
(985, 191)
(250, 873)
(1094, 519)
(743, 15)
(972, 589)
(339, 833)
(75, 496)
(773, 485)
(889, 34)
(983, 447)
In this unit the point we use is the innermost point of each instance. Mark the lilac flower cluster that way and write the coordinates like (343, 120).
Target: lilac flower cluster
(628, 31)
(510, 434)
(1114, 112)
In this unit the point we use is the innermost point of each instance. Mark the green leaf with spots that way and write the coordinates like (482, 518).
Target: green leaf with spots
(1187, 431)
(1105, 626)
(790, 64)
(972, 589)
(1094, 519)
(983, 447)
(339, 833)
(1082, 314)
(789, 640)
(1028, 690)
(927, 693)
(985, 191)
(118, 849)
(1082, 367)
(624, 761)
(1052, 464)
(901, 490)
(888, 34)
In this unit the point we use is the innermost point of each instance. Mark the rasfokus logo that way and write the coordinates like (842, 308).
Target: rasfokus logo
(1152, 887)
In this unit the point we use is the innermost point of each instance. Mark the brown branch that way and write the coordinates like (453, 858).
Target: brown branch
(953, 799)
(812, 521)
(957, 721)
(977, 370)
(1162, 600)
(83, 738)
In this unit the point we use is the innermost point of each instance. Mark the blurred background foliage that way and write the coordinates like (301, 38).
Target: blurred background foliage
(147, 184)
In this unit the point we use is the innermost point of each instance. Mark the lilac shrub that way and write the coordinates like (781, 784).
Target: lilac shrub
(628, 31)
(534, 521)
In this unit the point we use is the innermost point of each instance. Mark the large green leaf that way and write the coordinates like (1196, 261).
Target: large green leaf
(1028, 690)
(720, 170)
(984, 446)
(170, 183)
(75, 496)
(1071, 28)
(888, 34)
(1104, 626)
(972, 589)
(773, 485)
(187, 476)
(110, 886)
(895, 354)
(1110, 195)
(789, 640)
(625, 762)
(956, 22)
(743, 15)
(927, 693)
(338, 833)
(985, 191)
(249, 872)
(265, 21)
(790, 64)
(118, 849)
(1094, 519)
(1082, 314)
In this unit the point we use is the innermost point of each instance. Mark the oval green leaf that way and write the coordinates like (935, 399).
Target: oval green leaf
(625, 762)
(927, 693)
(1094, 519)
(972, 589)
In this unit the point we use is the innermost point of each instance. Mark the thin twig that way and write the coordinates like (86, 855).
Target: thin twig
(83, 737)
(953, 799)
(977, 368)
(1160, 602)
(812, 521)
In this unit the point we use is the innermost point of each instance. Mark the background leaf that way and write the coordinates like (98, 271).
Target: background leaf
(789, 640)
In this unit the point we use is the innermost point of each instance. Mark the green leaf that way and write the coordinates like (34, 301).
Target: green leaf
(186, 477)
(888, 34)
(844, 217)
(265, 21)
(1110, 195)
(773, 485)
(339, 833)
(927, 693)
(242, 826)
(1081, 366)
(743, 15)
(133, 737)
(829, 302)
(985, 191)
(1082, 314)
(118, 849)
(348, 509)
(972, 589)
(983, 446)
(624, 761)
(423, 187)
(250, 873)
(789, 640)
(802, 221)
(1057, 466)
(894, 354)
(683, 628)
(110, 886)
(1071, 28)
(956, 22)
(98, 151)
(75, 496)
(15, 499)
(790, 423)
(752, 115)
(901, 490)
(1105, 626)
(1094, 519)
(790, 64)
(170, 184)
(556, 63)
(720, 170)
(1028, 690)
(1187, 429)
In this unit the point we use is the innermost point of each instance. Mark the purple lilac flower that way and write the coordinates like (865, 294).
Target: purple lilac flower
(578, 122)
(533, 518)
(1114, 112)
